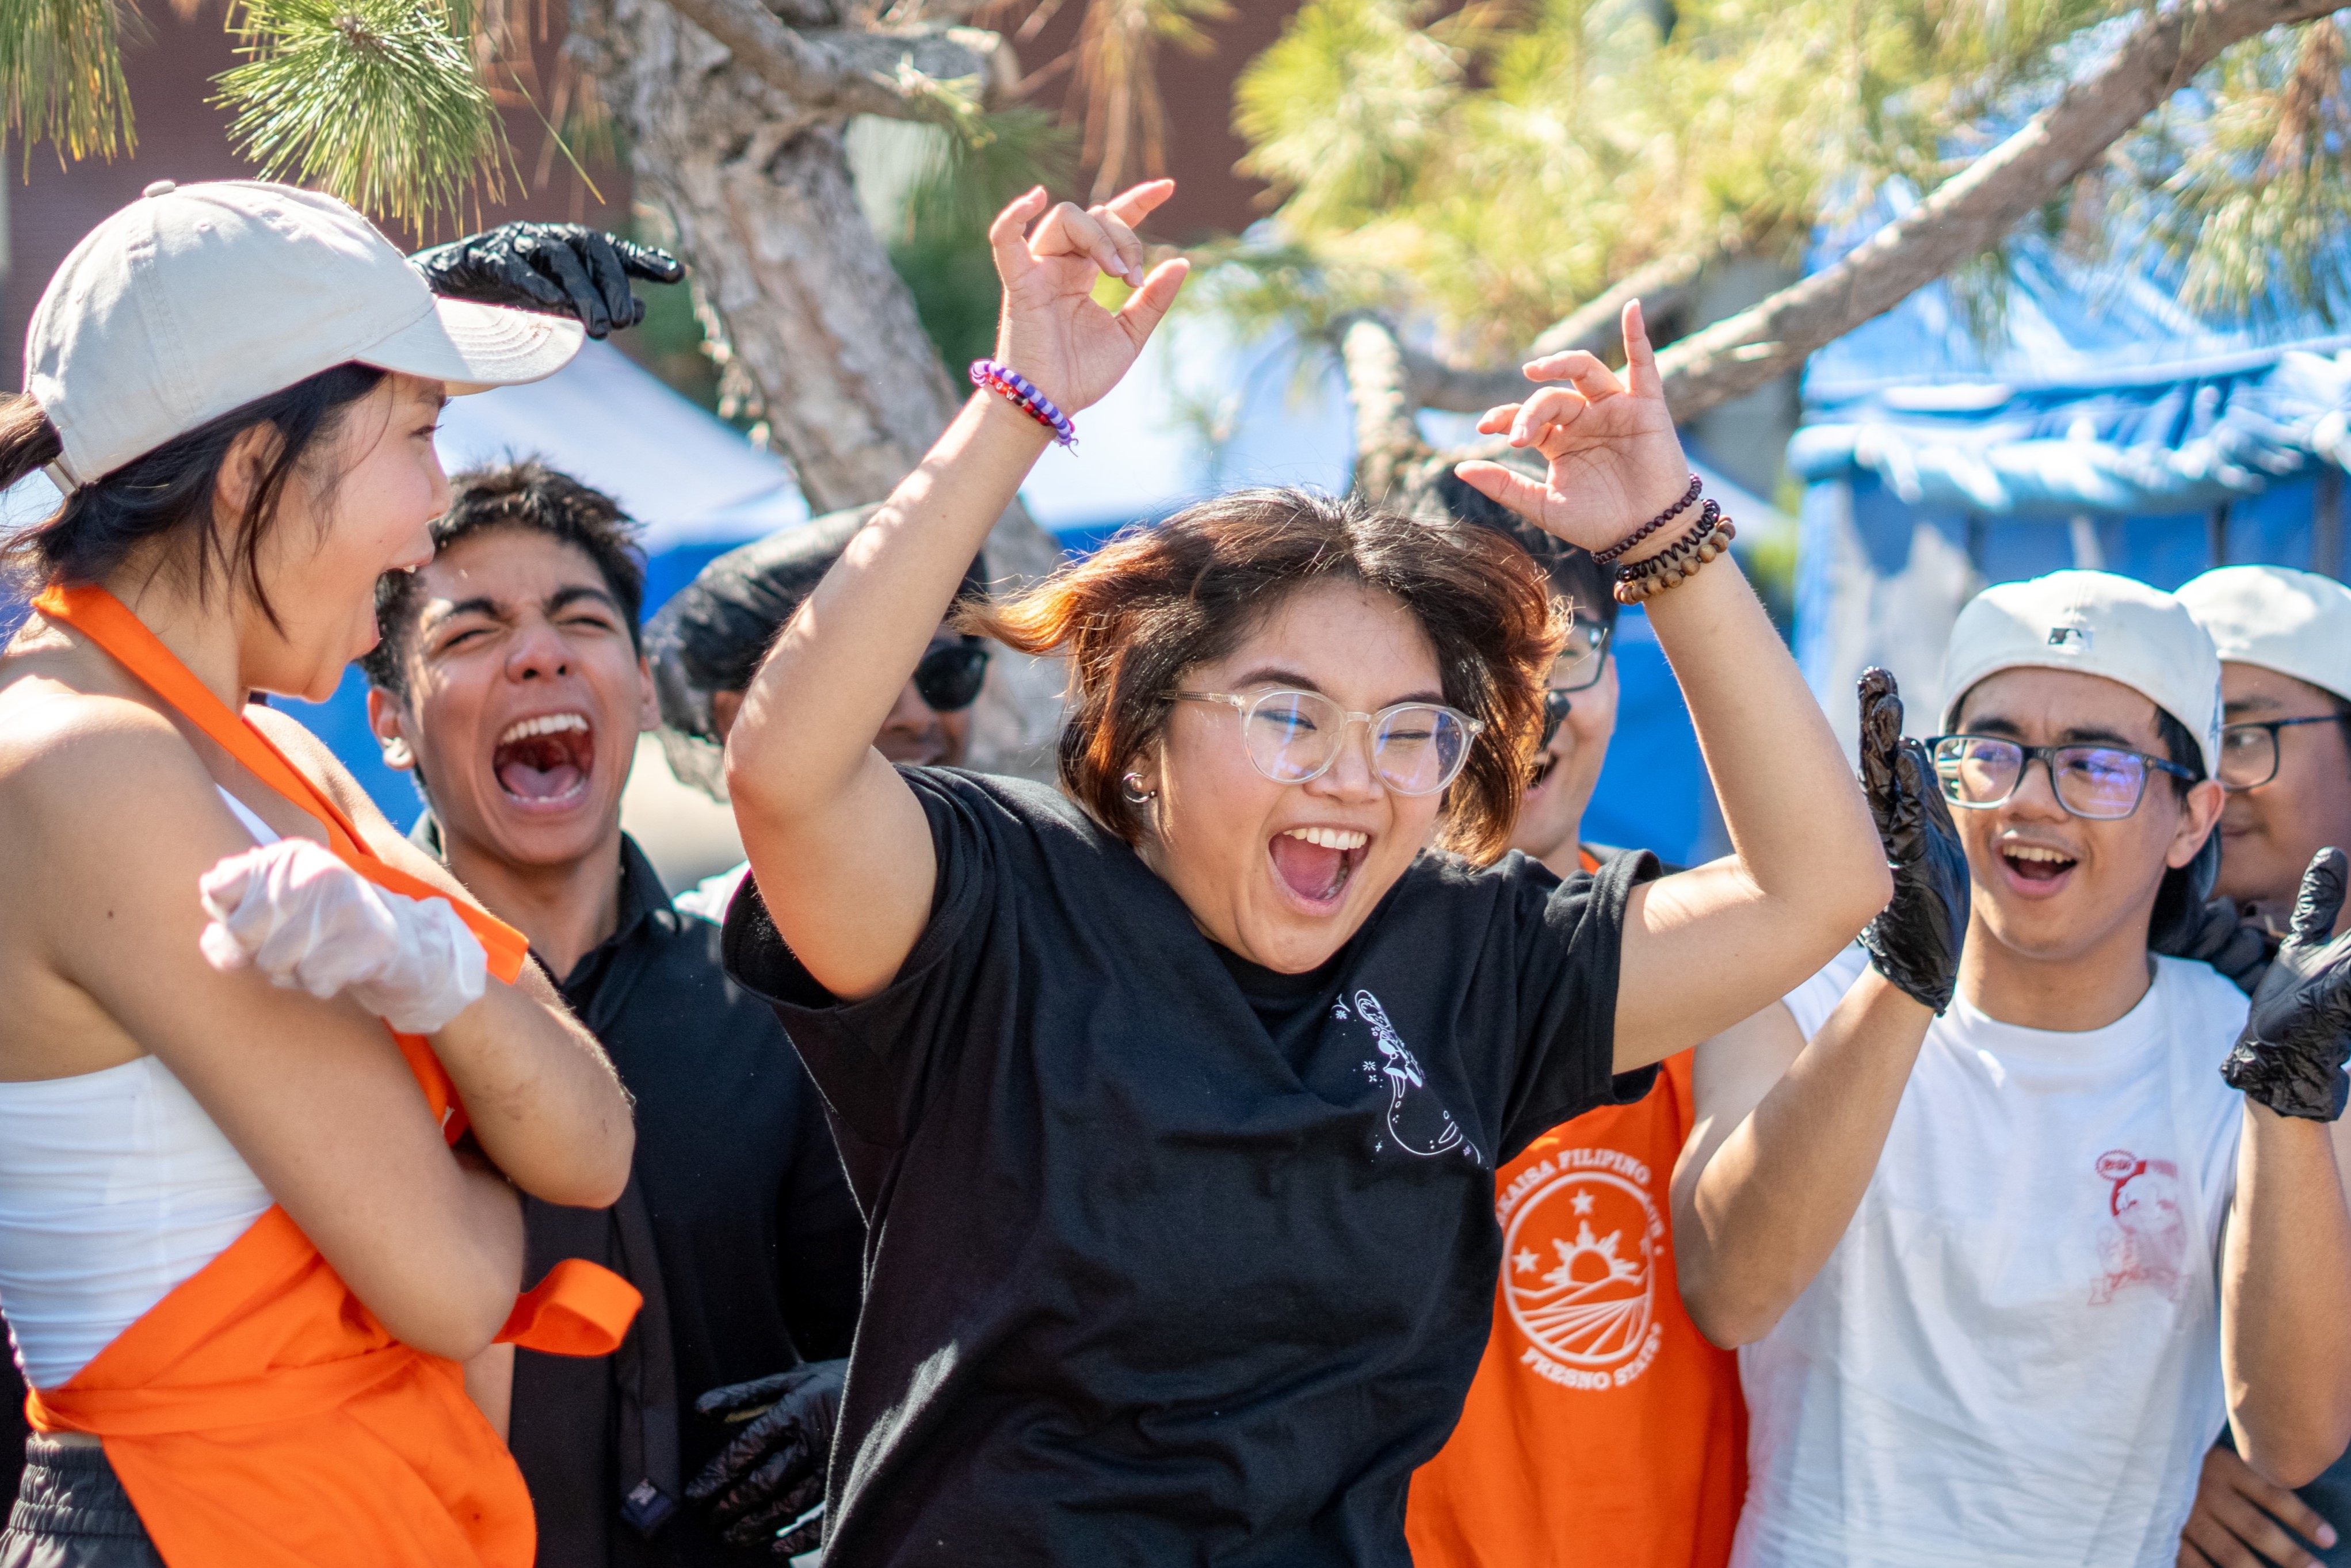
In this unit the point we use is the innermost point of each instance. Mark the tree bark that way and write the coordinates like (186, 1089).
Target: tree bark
(796, 292)
(1386, 436)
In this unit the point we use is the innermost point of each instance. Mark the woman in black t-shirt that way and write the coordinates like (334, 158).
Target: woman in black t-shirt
(1174, 1100)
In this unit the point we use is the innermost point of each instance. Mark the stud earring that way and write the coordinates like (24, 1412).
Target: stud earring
(1136, 795)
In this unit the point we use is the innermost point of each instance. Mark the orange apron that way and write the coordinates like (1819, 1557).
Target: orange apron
(259, 1416)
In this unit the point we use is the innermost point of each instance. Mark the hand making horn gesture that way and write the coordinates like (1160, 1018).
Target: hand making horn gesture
(1615, 459)
(1915, 940)
(1053, 330)
(2298, 1032)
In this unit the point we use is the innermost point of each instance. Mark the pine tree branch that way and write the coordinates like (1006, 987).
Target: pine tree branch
(847, 71)
(1975, 208)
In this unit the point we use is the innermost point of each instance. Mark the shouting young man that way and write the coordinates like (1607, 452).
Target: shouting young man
(510, 680)
(2001, 1271)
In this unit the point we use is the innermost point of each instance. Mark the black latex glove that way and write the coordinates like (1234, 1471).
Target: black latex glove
(2221, 935)
(1915, 940)
(561, 269)
(2290, 1056)
(773, 1473)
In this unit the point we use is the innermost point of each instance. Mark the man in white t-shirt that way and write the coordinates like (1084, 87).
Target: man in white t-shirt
(1985, 1265)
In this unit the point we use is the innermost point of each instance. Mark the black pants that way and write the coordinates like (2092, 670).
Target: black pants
(71, 1512)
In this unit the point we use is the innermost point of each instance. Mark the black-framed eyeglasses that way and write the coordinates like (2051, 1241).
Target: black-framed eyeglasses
(1415, 749)
(949, 676)
(2103, 783)
(1579, 668)
(2249, 752)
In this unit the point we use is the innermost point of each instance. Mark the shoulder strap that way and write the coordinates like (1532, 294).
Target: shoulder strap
(107, 622)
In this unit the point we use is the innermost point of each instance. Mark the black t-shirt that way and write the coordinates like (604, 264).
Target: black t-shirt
(1143, 1285)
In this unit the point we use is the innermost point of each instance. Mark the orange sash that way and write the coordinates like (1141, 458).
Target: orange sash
(259, 1416)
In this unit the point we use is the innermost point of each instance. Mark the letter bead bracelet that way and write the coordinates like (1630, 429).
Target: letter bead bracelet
(1009, 383)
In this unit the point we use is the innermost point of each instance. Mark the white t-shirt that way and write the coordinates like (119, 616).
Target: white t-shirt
(2013, 1356)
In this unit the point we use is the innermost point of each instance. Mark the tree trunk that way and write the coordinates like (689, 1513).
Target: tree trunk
(796, 293)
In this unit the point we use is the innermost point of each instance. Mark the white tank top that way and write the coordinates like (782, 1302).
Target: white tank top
(115, 1188)
(2012, 1359)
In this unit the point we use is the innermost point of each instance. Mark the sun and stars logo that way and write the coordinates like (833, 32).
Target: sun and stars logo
(1579, 1271)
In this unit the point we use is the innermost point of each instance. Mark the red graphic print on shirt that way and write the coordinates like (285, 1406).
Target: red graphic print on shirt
(2145, 1241)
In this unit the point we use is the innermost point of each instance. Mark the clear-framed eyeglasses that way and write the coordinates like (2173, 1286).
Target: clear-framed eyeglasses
(1415, 749)
(2249, 752)
(2102, 783)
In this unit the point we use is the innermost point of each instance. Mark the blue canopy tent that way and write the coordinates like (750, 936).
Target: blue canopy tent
(2102, 426)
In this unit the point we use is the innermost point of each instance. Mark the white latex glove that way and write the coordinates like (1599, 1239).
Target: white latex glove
(294, 911)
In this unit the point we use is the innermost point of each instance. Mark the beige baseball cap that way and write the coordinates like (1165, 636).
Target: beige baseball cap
(2095, 624)
(2295, 623)
(196, 299)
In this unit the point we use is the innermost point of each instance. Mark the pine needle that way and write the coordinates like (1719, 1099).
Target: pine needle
(61, 73)
(374, 100)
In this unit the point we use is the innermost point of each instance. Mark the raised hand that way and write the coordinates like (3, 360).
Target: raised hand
(1915, 940)
(767, 1486)
(1051, 330)
(1614, 460)
(2298, 1032)
(562, 270)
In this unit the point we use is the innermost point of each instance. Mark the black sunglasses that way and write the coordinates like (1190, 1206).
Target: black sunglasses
(948, 678)
(1581, 663)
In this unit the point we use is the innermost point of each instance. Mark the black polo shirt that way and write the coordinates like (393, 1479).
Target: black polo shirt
(737, 1226)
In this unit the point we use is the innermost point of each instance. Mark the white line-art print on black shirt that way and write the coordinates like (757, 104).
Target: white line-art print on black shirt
(1417, 1119)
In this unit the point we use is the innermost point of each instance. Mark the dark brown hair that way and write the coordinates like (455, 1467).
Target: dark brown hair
(532, 497)
(171, 488)
(1156, 602)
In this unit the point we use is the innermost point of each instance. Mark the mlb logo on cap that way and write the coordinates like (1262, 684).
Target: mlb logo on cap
(2074, 638)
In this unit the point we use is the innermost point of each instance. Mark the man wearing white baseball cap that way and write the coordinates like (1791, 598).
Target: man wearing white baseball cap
(243, 1248)
(1987, 1265)
(2284, 641)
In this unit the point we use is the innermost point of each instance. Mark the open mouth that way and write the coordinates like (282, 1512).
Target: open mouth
(1316, 863)
(2034, 865)
(546, 761)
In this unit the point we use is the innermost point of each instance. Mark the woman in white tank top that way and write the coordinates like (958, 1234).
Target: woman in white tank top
(237, 386)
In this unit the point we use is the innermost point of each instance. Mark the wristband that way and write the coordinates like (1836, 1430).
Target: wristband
(1603, 558)
(1008, 383)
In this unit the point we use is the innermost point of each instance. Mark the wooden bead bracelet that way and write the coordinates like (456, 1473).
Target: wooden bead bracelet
(1645, 579)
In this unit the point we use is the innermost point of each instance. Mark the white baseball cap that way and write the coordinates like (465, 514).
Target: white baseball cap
(196, 299)
(2295, 623)
(2095, 624)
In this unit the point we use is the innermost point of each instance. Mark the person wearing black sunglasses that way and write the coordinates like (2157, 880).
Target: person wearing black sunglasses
(706, 642)
(511, 681)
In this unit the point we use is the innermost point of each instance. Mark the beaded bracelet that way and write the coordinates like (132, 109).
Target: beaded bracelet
(1603, 558)
(1710, 536)
(1008, 383)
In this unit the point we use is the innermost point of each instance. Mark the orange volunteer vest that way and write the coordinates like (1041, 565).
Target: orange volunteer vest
(1601, 1429)
(259, 1416)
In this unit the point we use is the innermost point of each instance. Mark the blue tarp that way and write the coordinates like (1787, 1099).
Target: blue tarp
(2101, 425)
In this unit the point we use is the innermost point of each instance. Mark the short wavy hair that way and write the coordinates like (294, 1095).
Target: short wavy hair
(1156, 602)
